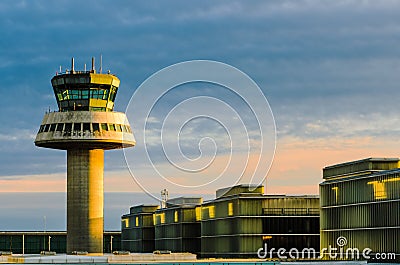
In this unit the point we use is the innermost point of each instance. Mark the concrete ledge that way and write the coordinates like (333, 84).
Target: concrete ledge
(91, 138)
(145, 257)
(59, 259)
(91, 258)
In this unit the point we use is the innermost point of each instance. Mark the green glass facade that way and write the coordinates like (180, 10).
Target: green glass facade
(177, 230)
(234, 225)
(238, 223)
(30, 242)
(137, 229)
(362, 205)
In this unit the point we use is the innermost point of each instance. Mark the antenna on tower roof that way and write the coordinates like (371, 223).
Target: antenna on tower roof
(101, 63)
(72, 65)
(164, 198)
(93, 70)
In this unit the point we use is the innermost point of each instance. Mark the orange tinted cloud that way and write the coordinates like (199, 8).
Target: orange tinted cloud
(298, 163)
(34, 183)
(297, 168)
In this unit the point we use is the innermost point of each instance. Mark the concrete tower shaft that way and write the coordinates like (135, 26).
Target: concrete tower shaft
(85, 125)
(85, 199)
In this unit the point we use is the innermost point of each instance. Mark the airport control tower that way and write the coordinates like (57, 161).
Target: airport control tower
(85, 125)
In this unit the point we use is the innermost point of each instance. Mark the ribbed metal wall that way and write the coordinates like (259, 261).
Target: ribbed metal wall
(232, 226)
(242, 232)
(177, 230)
(137, 233)
(365, 210)
(35, 242)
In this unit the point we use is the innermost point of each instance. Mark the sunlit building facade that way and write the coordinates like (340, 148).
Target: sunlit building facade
(360, 201)
(242, 219)
(234, 225)
(177, 228)
(33, 242)
(137, 229)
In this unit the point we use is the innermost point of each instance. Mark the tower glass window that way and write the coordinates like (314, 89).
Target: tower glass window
(86, 126)
(96, 127)
(85, 91)
(77, 127)
(104, 127)
(60, 127)
(85, 94)
(68, 127)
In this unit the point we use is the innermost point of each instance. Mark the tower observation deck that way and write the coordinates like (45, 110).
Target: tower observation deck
(85, 125)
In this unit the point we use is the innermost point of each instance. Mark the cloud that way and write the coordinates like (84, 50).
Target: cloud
(297, 168)
(19, 135)
(48, 210)
(328, 69)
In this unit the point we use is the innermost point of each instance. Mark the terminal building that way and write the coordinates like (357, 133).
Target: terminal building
(177, 228)
(234, 225)
(360, 201)
(33, 242)
(240, 220)
(138, 229)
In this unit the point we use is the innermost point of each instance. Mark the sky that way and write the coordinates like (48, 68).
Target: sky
(329, 70)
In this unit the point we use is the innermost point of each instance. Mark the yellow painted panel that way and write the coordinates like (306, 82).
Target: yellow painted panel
(198, 213)
(336, 190)
(126, 222)
(15, 260)
(230, 209)
(176, 216)
(103, 79)
(391, 180)
(100, 103)
(379, 189)
(212, 211)
(159, 218)
(115, 82)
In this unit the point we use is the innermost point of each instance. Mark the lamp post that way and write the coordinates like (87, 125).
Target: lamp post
(44, 231)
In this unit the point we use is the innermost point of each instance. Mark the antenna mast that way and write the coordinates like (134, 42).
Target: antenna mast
(164, 198)
(101, 63)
